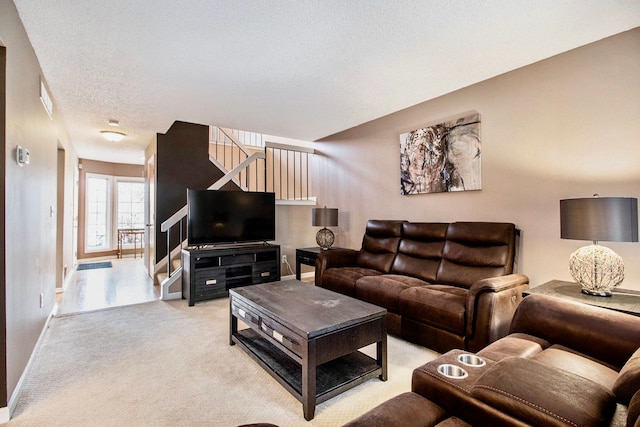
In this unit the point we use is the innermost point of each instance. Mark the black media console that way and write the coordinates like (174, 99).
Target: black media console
(210, 273)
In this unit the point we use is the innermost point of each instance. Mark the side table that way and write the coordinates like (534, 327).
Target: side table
(624, 300)
(308, 256)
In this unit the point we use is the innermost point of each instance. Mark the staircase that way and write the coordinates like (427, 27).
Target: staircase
(253, 164)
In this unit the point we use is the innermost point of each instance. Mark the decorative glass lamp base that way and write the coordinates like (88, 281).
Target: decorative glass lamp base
(325, 238)
(597, 269)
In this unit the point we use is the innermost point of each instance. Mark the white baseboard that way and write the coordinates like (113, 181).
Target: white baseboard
(310, 275)
(303, 276)
(5, 415)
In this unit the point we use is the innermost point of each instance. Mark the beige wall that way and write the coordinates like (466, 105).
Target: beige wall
(565, 127)
(294, 230)
(31, 201)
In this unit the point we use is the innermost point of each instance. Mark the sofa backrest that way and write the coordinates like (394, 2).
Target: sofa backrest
(420, 250)
(475, 251)
(605, 335)
(380, 244)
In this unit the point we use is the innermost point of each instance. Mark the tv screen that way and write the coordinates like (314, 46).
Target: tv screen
(216, 217)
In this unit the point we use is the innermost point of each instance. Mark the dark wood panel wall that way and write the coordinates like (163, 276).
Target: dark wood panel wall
(182, 161)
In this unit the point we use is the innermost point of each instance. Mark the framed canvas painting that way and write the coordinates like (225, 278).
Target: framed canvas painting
(441, 158)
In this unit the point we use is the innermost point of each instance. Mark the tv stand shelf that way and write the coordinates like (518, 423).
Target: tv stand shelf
(210, 273)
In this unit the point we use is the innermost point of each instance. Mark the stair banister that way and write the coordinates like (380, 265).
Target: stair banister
(173, 219)
(165, 227)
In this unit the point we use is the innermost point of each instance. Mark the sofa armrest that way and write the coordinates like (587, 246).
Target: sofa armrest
(498, 284)
(491, 304)
(606, 335)
(543, 395)
(334, 258)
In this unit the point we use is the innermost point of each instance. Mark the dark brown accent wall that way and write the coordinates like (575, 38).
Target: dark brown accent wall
(182, 161)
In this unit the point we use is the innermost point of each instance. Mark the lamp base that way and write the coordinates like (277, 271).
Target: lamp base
(597, 293)
(597, 269)
(325, 238)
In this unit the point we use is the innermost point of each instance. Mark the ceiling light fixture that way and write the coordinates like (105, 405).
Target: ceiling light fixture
(114, 123)
(113, 136)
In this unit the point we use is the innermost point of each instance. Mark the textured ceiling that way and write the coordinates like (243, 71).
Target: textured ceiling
(300, 69)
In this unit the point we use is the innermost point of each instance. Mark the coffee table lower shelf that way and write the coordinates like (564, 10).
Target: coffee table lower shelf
(332, 378)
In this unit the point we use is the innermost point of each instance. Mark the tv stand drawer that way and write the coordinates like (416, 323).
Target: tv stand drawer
(210, 281)
(265, 272)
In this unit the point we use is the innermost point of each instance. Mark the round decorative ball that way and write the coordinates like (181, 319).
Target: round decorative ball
(597, 269)
(324, 238)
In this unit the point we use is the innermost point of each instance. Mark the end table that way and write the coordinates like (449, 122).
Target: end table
(624, 300)
(308, 256)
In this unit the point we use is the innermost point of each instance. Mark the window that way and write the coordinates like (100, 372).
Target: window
(112, 204)
(97, 213)
(130, 204)
(130, 210)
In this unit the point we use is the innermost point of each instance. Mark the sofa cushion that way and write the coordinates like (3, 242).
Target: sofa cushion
(437, 305)
(384, 290)
(420, 250)
(380, 244)
(343, 279)
(571, 361)
(633, 415)
(406, 409)
(475, 251)
(520, 345)
(605, 335)
(453, 422)
(542, 395)
(628, 381)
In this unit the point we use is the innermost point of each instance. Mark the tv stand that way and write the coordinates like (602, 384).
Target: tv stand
(210, 273)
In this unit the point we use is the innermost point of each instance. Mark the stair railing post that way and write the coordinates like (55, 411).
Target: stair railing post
(168, 253)
(181, 223)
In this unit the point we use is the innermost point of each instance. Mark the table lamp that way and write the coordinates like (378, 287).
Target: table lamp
(596, 268)
(324, 217)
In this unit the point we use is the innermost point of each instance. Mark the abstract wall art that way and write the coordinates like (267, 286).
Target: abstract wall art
(442, 158)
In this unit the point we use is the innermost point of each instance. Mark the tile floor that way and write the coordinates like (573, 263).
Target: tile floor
(127, 282)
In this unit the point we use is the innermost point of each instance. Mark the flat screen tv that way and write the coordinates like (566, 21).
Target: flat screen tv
(224, 217)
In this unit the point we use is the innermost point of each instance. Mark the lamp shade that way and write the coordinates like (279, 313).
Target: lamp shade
(324, 217)
(611, 219)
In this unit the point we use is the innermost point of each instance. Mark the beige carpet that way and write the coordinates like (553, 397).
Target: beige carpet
(167, 364)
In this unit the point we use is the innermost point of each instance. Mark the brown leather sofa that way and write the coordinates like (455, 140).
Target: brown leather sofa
(563, 364)
(444, 285)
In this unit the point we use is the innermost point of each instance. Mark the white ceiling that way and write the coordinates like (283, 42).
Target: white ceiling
(301, 69)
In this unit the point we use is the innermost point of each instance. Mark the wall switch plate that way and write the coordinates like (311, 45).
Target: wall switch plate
(22, 156)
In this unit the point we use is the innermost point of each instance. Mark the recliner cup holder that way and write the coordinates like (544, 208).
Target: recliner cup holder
(471, 360)
(452, 371)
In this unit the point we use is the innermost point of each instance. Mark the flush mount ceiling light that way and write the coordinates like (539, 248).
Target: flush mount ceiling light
(111, 135)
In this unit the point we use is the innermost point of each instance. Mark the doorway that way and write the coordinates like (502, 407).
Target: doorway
(150, 217)
(61, 269)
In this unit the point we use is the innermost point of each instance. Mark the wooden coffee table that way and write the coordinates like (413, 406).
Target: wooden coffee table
(308, 338)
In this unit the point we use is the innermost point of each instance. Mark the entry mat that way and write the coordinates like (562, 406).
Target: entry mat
(94, 265)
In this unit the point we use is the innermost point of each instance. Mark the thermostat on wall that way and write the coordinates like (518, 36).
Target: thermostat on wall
(22, 156)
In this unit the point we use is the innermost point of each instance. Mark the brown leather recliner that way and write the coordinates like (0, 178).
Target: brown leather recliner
(444, 285)
(563, 364)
